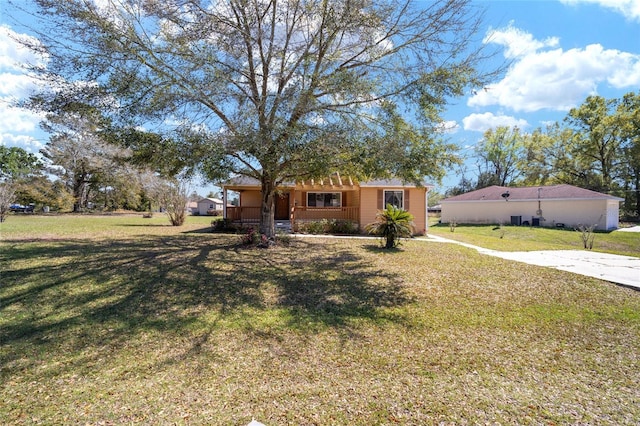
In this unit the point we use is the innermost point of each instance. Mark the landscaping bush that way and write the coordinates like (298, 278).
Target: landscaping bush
(343, 227)
(315, 227)
(587, 236)
(223, 225)
(329, 226)
(391, 225)
(252, 237)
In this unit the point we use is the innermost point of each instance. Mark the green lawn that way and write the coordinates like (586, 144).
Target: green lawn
(524, 238)
(123, 320)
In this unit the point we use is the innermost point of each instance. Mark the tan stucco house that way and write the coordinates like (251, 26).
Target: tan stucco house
(335, 197)
(552, 206)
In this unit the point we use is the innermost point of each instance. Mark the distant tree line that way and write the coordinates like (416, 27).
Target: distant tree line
(596, 146)
(89, 165)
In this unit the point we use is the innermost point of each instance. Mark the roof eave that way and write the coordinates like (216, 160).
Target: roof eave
(511, 200)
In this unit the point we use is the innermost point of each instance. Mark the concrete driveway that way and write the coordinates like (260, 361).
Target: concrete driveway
(624, 270)
(631, 229)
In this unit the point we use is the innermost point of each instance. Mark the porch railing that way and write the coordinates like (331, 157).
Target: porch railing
(243, 214)
(314, 213)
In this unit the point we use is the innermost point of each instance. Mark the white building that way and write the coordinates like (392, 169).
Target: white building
(207, 206)
(551, 206)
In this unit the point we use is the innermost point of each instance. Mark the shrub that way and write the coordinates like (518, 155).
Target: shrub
(223, 225)
(173, 198)
(587, 235)
(315, 227)
(343, 227)
(392, 224)
(251, 237)
(329, 226)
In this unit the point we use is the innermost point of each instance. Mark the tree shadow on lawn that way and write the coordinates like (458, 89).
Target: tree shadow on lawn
(80, 294)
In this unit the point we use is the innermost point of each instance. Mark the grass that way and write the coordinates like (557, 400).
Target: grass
(524, 238)
(122, 320)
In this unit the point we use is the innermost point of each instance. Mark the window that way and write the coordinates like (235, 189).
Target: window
(395, 198)
(324, 199)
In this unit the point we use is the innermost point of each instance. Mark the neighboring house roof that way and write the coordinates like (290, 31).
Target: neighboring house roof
(554, 192)
(210, 200)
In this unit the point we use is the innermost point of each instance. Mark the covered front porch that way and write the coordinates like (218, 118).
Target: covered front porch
(305, 201)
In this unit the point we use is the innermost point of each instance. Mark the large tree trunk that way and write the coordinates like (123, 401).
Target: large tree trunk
(267, 211)
(80, 195)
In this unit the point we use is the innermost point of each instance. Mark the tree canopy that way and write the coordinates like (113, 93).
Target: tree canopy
(17, 164)
(500, 152)
(275, 90)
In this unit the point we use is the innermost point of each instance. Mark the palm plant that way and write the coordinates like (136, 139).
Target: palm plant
(392, 224)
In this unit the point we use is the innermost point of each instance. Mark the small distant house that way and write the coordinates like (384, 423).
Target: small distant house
(192, 207)
(551, 206)
(333, 198)
(210, 206)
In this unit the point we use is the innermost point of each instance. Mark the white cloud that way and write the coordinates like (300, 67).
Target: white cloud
(28, 143)
(554, 79)
(487, 120)
(17, 120)
(16, 86)
(628, 8)
(518, 43)
(12, 54)
(17, 125)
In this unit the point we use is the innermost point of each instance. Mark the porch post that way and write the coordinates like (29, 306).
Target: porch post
(224, 202)
(292, 206)
(426, 209)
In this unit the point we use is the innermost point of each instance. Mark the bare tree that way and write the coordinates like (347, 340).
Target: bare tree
(7, 193)
(172, 195)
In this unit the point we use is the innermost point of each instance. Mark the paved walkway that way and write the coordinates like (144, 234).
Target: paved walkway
(624, 270)
(631, 229)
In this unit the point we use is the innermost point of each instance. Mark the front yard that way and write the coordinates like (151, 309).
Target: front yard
(525, 238)
(123, 320)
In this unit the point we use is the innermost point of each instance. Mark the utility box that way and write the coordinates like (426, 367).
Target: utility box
(535, 221)
(516, 220)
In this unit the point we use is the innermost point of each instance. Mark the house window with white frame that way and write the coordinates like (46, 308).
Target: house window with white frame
(324, 199)
(393, 197)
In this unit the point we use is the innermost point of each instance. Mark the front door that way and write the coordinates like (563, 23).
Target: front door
(282, 207)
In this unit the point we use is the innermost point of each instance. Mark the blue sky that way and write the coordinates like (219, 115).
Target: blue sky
(558, 51)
